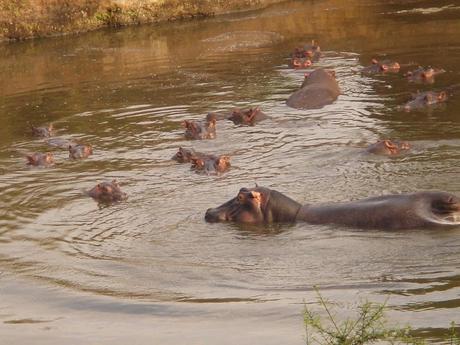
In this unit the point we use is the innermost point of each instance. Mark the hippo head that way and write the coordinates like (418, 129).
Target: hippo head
(445, 206)
(40, 158)
(246, 117)
(255, 206)
(107, 192)
(424, 99)
(183, 155)
(211, 164)
(388, 147)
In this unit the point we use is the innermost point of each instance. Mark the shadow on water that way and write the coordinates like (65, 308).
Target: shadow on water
(127, 92)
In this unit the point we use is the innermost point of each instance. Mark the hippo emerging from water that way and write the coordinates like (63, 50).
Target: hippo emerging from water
(247, 116)
(201, 129)
(107, 192)
(318, 89)
(43, 132)
(79, 151)
(40, 159)
(388, 147)
(384, 66)
(399, 211)
(423, 75)
(210, 164)
(422, 100)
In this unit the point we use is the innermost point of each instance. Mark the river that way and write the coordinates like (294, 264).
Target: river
(150, 270)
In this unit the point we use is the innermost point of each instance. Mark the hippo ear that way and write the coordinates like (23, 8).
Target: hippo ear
(257, 186)
(30, 158)
(442, 95)
(375, 61)
(428, 98)
(115, 182)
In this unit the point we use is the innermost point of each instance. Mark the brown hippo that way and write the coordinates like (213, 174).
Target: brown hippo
(312, 51)
(247, 116)
(388, 147)
(210, 164)
(43, 132)
(186, 155)
(40, 159)
(298, 63)
(79, 151)
(201, 129)
(423, 75)
(318, 89)
(425, 99)
(107, 192)
(398, 211)
(384, 66)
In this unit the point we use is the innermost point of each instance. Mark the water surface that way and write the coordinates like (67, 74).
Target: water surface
(150, 269)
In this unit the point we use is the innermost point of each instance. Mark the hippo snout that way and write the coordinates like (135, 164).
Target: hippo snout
(213, 215)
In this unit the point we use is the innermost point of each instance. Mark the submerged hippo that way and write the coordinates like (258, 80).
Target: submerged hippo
(210, 164)
(312, 51)
(425, 99)
(201, 129)
(79, 151)
(388, 147)
(423, 75)
(399, 211)
(318, 89)
(107, 192)
(40, 159)
(247, 116)
(300, 62)
(384, 66)
(186, 155)
(43, 131)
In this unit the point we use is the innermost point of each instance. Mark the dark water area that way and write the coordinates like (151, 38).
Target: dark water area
(150, 270)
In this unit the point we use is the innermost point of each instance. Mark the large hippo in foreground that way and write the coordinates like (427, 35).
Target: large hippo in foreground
(399, 211)
(318, 89)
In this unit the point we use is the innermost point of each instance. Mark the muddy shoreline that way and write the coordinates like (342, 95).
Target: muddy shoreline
(25, 19)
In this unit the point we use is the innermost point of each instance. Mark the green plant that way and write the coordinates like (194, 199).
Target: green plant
(370, 326)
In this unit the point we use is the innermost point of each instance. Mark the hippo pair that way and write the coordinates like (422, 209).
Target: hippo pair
(203, 163)
(261, 205)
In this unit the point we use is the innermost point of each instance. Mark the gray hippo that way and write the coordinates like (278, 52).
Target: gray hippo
(378, 67)
(210, 164)
(426, 99)
(398, 211)
(388, 147)
(247, 116)
(43, 131)
(79, 151)
(40, 159)
(318, 89)
(423, 75)
(107, 192)
(201, 129)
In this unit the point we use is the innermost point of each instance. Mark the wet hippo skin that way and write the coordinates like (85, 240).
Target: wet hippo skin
(318, 89)
(397, 211)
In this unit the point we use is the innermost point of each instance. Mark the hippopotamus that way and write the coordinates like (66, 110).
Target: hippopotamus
(423, 75)
(107, 192)
(312, 51)
(210, 164)
(317, 90)
(388, 147)
(43, 132)
(201, 129)
(79, 151)
(425, 99)
(186, 155)
(247, 116)
(40, 159)
(384, 66)
(297, 62)
(60, 142)
(261, 205)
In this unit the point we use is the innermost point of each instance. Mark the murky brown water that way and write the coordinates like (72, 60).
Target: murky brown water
(150, 270)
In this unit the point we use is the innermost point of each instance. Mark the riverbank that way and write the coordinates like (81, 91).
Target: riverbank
(24, 19)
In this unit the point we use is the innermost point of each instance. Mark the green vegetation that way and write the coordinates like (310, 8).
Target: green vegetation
(370, 326)
(21, 19)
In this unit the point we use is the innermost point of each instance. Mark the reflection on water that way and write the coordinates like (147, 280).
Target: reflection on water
(126, 92)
